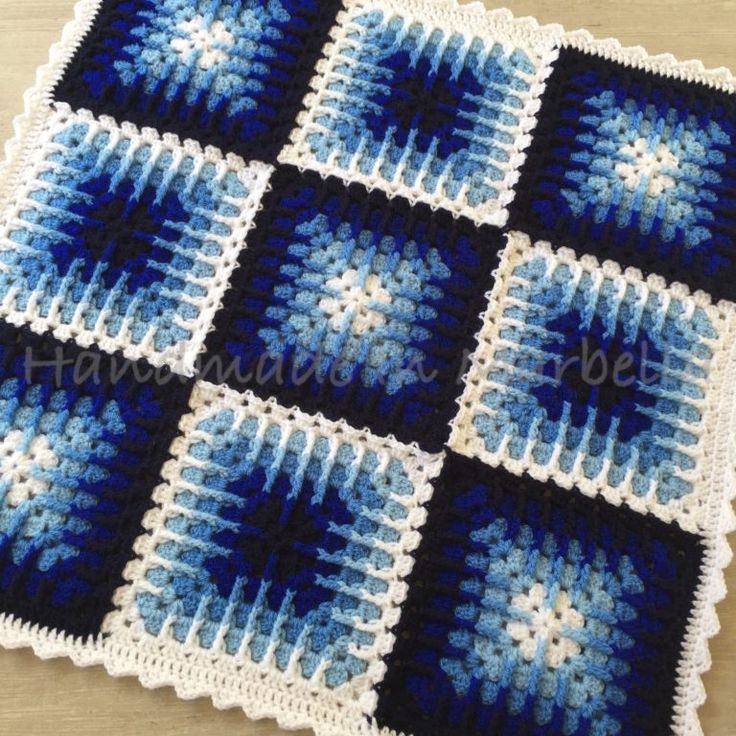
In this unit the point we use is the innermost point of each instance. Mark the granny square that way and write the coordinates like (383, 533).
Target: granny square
(597, 378)
(436, 111)
(124, 239)
(369, 365)
(630, 165)
(80, 453)
(355, 305)
(227, 73)
(277, 548)
(538, 612)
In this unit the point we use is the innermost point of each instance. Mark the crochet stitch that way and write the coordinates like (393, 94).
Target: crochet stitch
(231, 74)
(125, 239)
(423, 109)
(531, 610)
(648, 177)
(79, 457)
(279, 538)
(357, 306)
(596, 378)
(368, 365)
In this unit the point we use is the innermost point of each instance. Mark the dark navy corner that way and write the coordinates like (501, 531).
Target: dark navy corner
(84, 436)
(237, 85)
(356, 305)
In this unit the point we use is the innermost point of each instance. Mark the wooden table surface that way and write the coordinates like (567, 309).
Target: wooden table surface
(39, 698)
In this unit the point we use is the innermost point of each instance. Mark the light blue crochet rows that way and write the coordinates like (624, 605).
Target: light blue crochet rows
(204, 49)
(545, 618)
(356, 305)
(277, 545)
(54, 449)
(435, 111)
(120, 238)
(597, 375)
(647, 167)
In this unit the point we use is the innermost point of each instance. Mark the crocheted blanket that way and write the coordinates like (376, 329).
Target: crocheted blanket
(370, 365)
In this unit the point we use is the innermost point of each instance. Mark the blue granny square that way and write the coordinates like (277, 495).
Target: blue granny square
(629, 165)
(229, 73)
(80, 453)
(437, 112)
(279, 540)
(596, 378)
(538, 612)
(355, 305)
(125, 239)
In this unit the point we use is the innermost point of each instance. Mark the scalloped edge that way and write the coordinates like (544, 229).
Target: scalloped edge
(691, 512)
(37, 100)
(703, 624)
(181, 356)
(695, 659)
(359, 694)
(719, 518)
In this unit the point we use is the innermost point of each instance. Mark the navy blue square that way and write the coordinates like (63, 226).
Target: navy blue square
(357, 306)
(533, 610)
(231, 74)
(635, 167)
(82, 440)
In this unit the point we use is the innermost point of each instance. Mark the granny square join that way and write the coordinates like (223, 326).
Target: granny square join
(436, 112)
(355, 305)
(279, 540)
(597, 378)
(80, 454)
(124, 239)
(536, 612)
(229, 73)
(633, 166)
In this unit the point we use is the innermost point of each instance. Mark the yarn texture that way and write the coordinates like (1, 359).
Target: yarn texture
(368, 365)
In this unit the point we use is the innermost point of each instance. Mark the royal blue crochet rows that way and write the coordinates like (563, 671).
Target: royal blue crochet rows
(536, 611)
(298, 527)
(80, 456)
(636, 168)
(232, 74)
(280, 539)
(356, 306)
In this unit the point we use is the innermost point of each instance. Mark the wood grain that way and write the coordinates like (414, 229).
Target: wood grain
(44, 698)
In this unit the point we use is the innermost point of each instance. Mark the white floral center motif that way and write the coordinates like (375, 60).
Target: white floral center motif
(19, 466)
(207, 41)
(647, 166)
(356, 299)
(546, 626)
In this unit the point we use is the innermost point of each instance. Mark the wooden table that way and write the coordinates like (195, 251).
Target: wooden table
(39, 698)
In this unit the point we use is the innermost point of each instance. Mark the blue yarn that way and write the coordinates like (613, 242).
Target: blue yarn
(472, 653)
(116, 226)
(55, 537)
(319, 251)
(642, 418)
(622, 396)
(214, 70)
(125, 240)
(436, 105)
(279, 544)
(683, 226)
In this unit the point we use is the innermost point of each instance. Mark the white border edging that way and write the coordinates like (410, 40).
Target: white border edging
(703, 624)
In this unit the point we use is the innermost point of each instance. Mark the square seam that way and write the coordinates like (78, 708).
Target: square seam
(80, 454)
(123, 239)
(600, 379)
(278, 546)
(356, 306)
(230, 74)
(410, 101)
(531, 611)
(637, 167)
